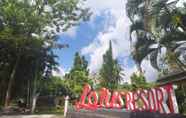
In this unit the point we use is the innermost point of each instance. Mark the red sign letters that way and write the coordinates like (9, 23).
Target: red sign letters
(160, 99)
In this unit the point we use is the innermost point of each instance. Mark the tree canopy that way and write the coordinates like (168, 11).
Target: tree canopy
(28, 34)
(160, 32)
(110, 71)
(78, 76)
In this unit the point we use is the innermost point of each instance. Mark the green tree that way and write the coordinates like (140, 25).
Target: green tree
(110, 70)
(180, 96)
(138, 81)
(40, 21)
(80, 64)
(160, 36)
(55, 86)
(78, 76)
(35, 63)
(158, 27)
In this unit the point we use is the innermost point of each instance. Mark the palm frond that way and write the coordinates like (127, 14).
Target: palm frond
(136, 26)
(175, 36)
(154, 60)
(132, 8)
(142, 49)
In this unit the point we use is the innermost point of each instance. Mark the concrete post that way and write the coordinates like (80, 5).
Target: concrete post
(66, 105)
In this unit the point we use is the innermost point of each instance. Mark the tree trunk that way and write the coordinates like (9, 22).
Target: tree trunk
(10, 83)
(34, 101)
(2, 83)
(28, 94)
(35, 94)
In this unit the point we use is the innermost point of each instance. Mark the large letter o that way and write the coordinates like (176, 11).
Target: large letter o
(93, 95)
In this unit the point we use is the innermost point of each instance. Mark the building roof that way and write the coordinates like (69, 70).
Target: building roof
(174, 77)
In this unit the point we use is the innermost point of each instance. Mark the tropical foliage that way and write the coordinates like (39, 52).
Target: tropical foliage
(159, 27)
(138, 81)
(160, 33)
(28, 35)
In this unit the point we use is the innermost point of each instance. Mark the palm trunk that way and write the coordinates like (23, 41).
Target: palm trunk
(146, 16)
(10, 83)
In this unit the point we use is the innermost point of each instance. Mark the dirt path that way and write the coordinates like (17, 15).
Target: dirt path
(33, 116)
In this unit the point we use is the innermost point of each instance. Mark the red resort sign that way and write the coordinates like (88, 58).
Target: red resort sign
(160, 99)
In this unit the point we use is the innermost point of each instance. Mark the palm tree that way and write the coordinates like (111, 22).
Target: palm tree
(157, 28)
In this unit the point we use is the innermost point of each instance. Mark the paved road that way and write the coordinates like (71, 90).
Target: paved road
(33, 116)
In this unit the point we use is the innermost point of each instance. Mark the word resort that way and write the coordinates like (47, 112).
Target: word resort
(160, 99)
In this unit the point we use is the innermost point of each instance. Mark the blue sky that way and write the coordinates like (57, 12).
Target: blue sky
(83, 36)
(108, 22)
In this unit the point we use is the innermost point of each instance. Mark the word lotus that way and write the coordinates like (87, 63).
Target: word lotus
(160, 99)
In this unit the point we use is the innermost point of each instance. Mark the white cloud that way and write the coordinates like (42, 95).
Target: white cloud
(180, 3)
(71, 32)
(97, 6)
(100, 5)
(60, 72)
(150, 73)
(117, 30)
(128, 72)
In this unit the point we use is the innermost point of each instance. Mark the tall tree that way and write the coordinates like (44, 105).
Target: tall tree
(162, 31)
(38, 20)
(80, 64)
(78, 76)
(110, 70)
